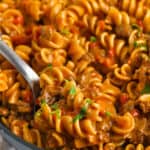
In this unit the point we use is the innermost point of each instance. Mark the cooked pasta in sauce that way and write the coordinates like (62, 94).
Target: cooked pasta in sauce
(93, 59)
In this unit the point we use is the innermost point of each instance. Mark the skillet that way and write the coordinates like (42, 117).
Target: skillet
(15, 141)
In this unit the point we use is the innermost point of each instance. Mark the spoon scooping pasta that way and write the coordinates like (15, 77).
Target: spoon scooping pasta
(30, 76)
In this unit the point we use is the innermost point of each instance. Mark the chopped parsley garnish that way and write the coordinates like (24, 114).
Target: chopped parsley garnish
(38, 113)
(135, 44)
(93, 39)
(81, 114)
(146, 89)
(108, 113)
(88, 101)
(43, 101)
(50, 66)
(66, 81)
(65, 32)
(72, 90)
(144, 46)
(83, 110)
(56, 112)
(78, 117)
(141, 45)
(55, 109)
(54, 106)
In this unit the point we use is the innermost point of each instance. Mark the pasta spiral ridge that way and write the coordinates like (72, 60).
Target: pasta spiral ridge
(111, 42)
(137, 147)
(61, 122)
(117, 17)
(24, 52)
(134, 8)
(95, 25)
(21, 129)
(120, 74)
(77, 10)
(127, 147)
(59, 73)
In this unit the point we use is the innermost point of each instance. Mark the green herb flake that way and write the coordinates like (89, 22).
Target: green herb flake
(72, 90)
(83, 110)
(88, 101)
(43, 101)
(141, 45)
(146, 89)
(77, 117)
(135, 44)
(56, 112)
(50, 66)
(38, 113)
(135, 26)
(66, 81)
(54, 106)
(108, 113)
(81, 114)
(65, 32)
(55, 109)
(93, 39)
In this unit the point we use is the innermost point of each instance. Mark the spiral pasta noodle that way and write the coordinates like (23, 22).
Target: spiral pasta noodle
(134, 8)
(117, 17)
(75, 11)
(93, 60)
(120, 75)
(21, 129)
(4, 80)
(111, 43)
(24, 52)
(96, 25)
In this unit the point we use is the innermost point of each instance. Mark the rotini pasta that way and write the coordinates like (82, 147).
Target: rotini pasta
(93, 59)
(134, 8)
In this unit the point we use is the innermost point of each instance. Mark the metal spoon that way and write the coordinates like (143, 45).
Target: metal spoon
(22, 67)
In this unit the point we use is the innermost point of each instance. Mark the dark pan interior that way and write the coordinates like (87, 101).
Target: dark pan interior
(15, 141)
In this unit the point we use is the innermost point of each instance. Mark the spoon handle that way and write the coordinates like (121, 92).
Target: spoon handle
(30, 76)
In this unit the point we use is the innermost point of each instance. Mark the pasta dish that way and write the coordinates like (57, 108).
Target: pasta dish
(93, 59)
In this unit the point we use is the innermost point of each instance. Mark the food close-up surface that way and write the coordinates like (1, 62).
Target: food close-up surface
(93, 60)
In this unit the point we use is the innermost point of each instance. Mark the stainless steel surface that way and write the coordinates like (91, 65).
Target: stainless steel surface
(27, 72)
(13, 140)
(4, 145)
